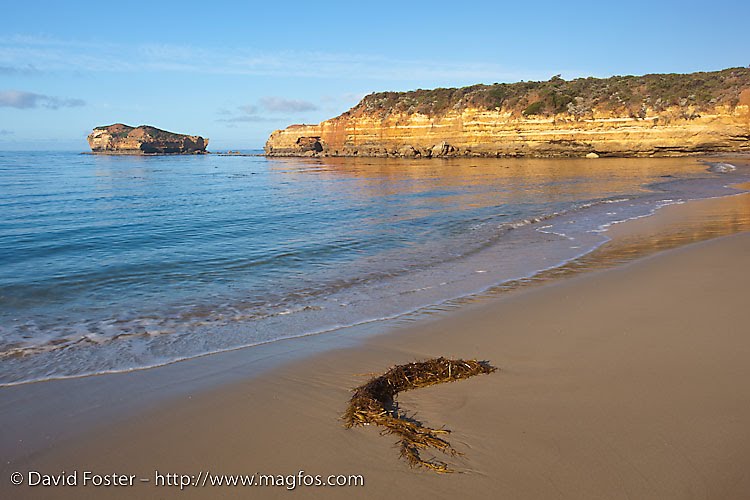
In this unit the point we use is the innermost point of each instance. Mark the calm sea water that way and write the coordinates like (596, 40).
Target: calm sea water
(111, 263)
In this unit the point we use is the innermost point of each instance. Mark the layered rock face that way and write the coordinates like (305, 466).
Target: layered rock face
(123, 139)
(652, 115)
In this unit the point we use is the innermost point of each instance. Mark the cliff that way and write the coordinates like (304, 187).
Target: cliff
(651, 115)
(123, 139)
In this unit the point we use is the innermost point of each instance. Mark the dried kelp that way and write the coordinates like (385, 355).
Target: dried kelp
(373, 403)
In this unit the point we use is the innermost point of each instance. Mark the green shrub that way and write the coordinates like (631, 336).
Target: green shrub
(553, 96)
(534, 108)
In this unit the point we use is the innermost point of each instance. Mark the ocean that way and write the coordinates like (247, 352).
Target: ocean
(116, 263)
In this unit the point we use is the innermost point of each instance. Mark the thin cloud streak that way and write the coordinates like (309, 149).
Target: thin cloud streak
(49, 54)
(269, 104)
(249, 109)
(20, 99)
(281, 105)
(18, 70)
(245, 119)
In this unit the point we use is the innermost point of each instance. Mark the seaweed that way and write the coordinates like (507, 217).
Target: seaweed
(374, 403)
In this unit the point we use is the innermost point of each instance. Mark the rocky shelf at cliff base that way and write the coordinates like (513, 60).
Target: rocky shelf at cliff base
(650, 115)
(144, 139)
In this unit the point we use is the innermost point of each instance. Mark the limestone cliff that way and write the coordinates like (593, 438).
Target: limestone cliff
(123, 139)
(651, 115)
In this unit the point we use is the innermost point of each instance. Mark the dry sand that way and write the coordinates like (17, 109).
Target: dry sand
(623, 383)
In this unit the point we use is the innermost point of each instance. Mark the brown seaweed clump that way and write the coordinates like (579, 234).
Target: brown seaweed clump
(373, 403)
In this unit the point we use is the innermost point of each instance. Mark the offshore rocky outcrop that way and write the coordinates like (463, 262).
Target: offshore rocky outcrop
(123, 139)
(651, 115)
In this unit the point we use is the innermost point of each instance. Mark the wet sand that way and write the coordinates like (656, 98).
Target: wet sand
(626, 382)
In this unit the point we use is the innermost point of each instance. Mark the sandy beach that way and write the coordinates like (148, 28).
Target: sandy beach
(618, 383)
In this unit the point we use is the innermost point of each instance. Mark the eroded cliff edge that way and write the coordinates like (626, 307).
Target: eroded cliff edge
(651, 115)
(144, 139)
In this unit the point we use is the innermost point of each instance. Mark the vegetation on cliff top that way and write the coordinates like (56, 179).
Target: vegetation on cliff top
(120, 130)
(628, 94)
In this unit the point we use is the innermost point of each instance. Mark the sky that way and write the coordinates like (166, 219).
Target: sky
(236, 71)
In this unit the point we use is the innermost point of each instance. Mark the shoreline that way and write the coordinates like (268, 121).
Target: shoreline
(708, 153)
(142, 399)
(140, 153)
(460, 274)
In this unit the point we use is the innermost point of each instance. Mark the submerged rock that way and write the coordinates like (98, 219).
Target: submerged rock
(721, 168)
(145, 139)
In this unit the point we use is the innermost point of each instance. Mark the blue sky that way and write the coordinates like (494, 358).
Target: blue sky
(236, 71)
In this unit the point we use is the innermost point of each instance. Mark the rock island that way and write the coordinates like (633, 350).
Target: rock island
(144, 139)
